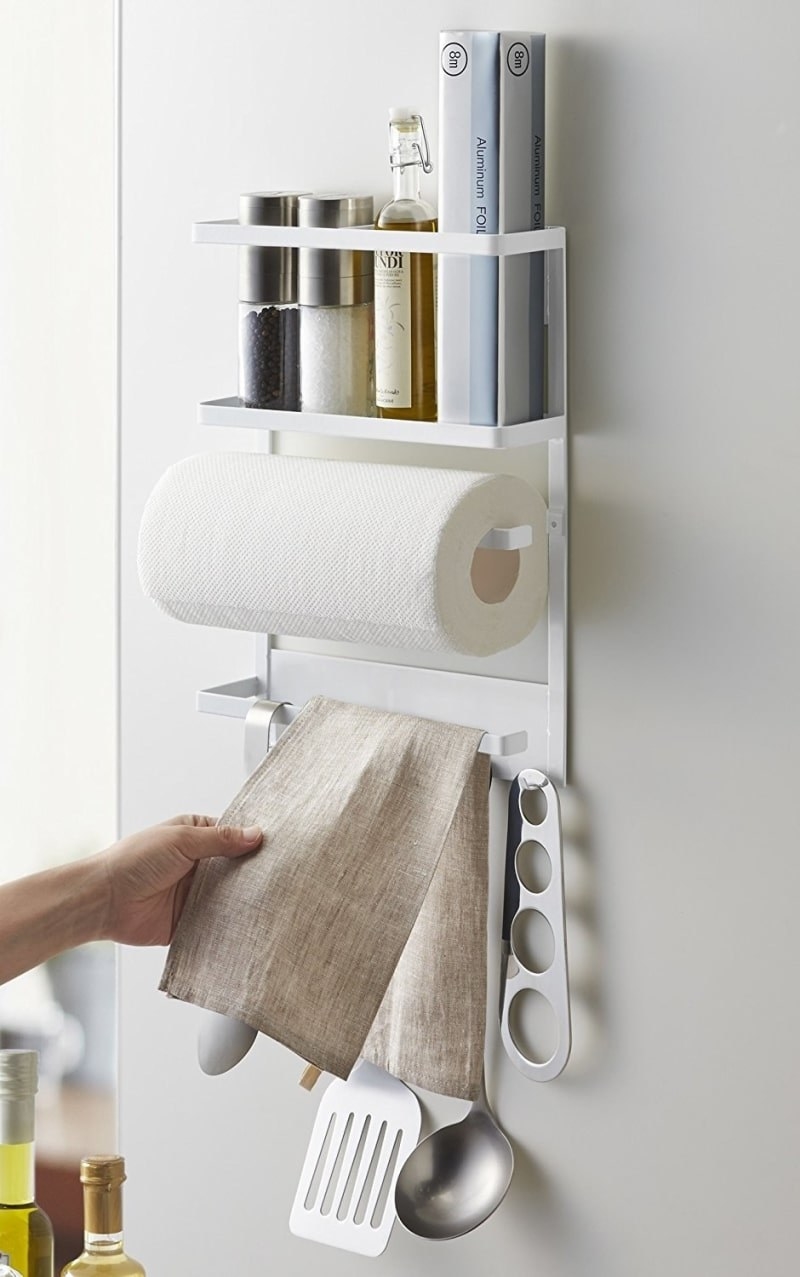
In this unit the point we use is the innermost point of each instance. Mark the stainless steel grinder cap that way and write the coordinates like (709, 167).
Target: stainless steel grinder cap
(335, 277)
(268, 275)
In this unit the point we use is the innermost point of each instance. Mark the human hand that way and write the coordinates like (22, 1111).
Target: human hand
(148, 875)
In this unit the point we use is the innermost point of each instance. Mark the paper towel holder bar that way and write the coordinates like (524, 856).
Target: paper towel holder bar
(235, 700)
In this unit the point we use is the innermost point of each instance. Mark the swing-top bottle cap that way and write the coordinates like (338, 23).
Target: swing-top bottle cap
(19, 1074)
(408, 141)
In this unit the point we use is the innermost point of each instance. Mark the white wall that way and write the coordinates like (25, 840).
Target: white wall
(57, 445)
(670, 1146)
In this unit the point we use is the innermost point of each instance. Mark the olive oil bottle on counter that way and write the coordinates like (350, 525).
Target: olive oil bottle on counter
(405, 291)
(103, 1255)
(26, 1236)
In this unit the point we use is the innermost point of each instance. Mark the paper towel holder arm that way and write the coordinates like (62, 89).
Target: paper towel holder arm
(235, 700)
(518, 538)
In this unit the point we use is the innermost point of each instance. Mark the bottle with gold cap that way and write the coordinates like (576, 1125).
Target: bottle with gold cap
(26, 1236)
(103, 1256)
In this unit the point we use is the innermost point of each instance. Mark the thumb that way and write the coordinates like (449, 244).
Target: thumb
(203, 841)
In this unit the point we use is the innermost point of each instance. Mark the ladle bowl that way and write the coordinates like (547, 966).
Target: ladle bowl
(457, 1177)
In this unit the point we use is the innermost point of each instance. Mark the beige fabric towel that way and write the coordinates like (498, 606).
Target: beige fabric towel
(360, 926)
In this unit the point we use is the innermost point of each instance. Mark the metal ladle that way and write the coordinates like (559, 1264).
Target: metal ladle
(457, 1177)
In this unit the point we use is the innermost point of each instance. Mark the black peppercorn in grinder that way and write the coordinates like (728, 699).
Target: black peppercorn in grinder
(269, 375)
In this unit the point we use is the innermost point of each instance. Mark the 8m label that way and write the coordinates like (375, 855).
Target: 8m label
(392, 330)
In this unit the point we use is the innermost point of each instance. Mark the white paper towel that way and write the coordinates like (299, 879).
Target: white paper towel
(339, 550)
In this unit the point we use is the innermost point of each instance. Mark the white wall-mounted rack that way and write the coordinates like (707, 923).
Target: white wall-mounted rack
(525, 723)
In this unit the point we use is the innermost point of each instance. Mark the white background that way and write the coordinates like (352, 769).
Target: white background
(57, 432)
(670, 1145)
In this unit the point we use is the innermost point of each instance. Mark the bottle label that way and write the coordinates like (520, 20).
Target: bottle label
(392, 330)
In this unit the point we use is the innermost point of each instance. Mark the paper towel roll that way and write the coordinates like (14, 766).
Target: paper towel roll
(344, 550)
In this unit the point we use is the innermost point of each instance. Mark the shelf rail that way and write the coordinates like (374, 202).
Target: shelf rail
(367, 239)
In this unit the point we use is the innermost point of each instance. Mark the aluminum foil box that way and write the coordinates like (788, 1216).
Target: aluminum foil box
(469, 202)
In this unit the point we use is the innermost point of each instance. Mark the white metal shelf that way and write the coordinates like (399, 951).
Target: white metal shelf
(231, 412)
(366, 238)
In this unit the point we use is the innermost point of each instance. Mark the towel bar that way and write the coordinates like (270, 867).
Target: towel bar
(235, 700)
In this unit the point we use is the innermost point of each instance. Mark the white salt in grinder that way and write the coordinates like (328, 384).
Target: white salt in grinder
(337, 312)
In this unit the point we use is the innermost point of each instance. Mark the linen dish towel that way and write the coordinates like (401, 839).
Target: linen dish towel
(359, 928)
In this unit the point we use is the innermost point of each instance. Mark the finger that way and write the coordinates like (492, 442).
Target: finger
(198, 822)
(201, 841)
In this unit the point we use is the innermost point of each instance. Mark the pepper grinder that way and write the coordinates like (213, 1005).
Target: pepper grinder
(268, 316)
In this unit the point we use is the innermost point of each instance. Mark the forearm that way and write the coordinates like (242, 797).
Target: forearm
(46, 913)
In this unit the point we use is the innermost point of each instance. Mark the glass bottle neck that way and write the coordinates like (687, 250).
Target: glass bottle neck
(102, 1219)
(17, 1174)
(102, 1243)
(407, 182)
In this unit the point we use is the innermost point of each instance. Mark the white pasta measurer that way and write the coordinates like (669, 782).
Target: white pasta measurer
(364, 1130)
(534, 925)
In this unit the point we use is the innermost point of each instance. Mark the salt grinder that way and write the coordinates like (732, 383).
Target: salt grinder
(336, 296)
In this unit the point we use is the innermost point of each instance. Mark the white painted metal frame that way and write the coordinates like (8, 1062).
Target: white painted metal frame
(525, 723)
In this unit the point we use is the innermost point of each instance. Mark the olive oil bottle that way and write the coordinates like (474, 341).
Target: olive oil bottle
(405, 284)
(103, 1256)
(26, 1236)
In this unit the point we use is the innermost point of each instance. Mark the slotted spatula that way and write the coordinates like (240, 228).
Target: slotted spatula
(364, 1130)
